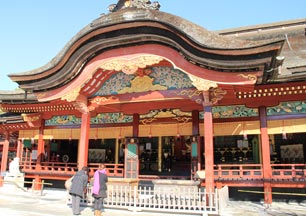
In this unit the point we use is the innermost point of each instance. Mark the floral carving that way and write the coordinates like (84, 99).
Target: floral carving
(131, 65)
(217, 94)
(72, 95)
(183, 119)
(190, 93)
(250, 77)
(147, 121)
(285, 108)
(142, 84)
(145, 4)
(202, 84)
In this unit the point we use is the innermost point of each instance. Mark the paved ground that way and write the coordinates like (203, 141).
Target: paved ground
(15, 202)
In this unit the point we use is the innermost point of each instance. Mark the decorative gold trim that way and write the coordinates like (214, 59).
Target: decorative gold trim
(202, 84)
(142, 84)
(28, 118)
(217, 94)
(147, 121)
(250, 77)
(72, 95)
(190, 93)
(2, 109)
(100, 100)
(183, 119)
(96, 101)
(167, 114)
(131, 65)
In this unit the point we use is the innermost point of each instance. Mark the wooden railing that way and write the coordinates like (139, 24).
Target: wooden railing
(114, 170)
(238, 171)
(280, 172)
(289, 171)
(294, 172)
(67, 169)
(58, 168)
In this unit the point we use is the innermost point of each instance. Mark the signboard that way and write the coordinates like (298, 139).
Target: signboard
(96, 155)
(292, 153)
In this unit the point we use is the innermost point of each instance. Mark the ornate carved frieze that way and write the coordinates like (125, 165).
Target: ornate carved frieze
(63, 120)
(72, 95)
(175, 114)
(285, 108)
(250, 77)
(234, 111)
(33, 120)
(131, 65)
(190, 93)
(217, 94)
(111, 118)
(2, 109)
(161, 75)
(147, 121)
(99, 101)
(142, 84)
(145, 4)
(202, 84)
(183, 119)
(213, 96)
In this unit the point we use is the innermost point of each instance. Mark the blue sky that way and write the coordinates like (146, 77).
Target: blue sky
(34, 31)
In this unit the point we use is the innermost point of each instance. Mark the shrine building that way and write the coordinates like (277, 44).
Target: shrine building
(154, 96)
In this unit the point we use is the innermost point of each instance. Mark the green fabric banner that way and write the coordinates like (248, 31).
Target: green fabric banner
(27, 143)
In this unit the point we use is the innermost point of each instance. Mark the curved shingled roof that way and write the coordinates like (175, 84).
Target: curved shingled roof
(135, 26)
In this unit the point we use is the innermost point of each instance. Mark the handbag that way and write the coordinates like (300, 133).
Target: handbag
(68, 183)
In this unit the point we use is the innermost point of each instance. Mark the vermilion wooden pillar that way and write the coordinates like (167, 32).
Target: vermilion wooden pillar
(265, 151)
(4, 156)
(135, 125)
(195, 123)
(209, 148)
(19, 149)
(83, 144)
(40, 153)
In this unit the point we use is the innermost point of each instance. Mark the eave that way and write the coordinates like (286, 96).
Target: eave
(199, 46)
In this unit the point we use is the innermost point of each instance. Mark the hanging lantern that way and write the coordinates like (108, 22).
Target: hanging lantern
(178, 131)
(51, 136)
(245, 135)
(33, 138)
(70, 137)
(284, 135)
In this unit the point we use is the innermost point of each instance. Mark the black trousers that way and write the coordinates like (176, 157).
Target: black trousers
(98, 203)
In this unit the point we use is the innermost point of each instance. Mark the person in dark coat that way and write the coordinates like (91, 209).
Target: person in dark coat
(78, 187)
(99, 189)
